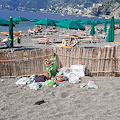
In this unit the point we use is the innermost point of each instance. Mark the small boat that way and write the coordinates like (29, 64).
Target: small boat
(62, 15)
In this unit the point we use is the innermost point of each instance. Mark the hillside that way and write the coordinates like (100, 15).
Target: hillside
(74, 7)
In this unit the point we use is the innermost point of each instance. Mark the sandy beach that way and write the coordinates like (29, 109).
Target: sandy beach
(67, 101)
(27, 42)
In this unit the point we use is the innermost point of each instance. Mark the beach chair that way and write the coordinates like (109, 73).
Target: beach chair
(31, 31)
(4, 42)
(63, 45)
(89, 39)
(117, 43)
(43, 40)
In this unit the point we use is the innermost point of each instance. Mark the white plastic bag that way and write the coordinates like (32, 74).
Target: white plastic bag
(34, 86)
(78, 70)
(64, 71)
(92, 85)
(22, 81)
(73, 78)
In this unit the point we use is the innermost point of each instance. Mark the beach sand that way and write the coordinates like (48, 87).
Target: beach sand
(67, 101)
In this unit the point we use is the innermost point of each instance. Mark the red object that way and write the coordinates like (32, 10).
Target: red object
(60, 78)
(50, 78)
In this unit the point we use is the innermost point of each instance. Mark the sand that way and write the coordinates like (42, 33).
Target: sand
(67, 101)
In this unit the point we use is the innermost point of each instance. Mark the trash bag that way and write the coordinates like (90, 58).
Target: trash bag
(73, 78)
(78, 70)
(64, 71)
(92, 85)
(41, 78)
(23, 81)
(34, 86)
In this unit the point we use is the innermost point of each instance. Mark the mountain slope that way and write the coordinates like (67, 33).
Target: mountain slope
(76, 7)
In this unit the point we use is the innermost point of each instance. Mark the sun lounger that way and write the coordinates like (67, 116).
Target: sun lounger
(62, 45)
(3, 44)
(30, 31)
(89, 39)
(45, 40)
(117, 42)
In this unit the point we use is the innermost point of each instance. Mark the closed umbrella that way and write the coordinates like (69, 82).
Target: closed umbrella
(92, 31)
(105, 27)
(4, 22)
(46, 22)
(71, 25)
(110, 37)
(10, 44)
(119, 25)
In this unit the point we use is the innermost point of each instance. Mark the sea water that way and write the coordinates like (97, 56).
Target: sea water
(23, 26)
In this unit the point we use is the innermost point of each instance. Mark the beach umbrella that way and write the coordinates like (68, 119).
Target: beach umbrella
(61, 20)
(105, 27)
(108, 21)
(14, 22)
(117, 21)
(55, 21)
(46, 22)
(70, 25)
(92, 31)
(97, 22)
(19, 19)
(86, 22)
(110, 36)
(10, 44)
(103, 21)
(77, 20)
(34, 20)
(4, 22)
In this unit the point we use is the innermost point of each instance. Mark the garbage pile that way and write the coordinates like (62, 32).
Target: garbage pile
(73, 74)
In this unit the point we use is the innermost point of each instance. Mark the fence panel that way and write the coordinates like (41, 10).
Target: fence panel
(98, 61)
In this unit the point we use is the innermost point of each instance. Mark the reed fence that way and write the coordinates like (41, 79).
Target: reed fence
(98, 61)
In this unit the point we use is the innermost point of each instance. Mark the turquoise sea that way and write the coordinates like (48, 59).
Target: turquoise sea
(23, 26)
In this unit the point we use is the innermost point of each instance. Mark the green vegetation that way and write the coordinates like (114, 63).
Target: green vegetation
(110, 2)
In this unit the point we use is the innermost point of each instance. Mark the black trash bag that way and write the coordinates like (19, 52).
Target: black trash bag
(41, 78)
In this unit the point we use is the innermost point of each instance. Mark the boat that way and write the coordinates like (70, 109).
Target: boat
(62, 15)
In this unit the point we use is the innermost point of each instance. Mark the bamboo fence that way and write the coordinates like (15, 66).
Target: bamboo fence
(98, 61)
